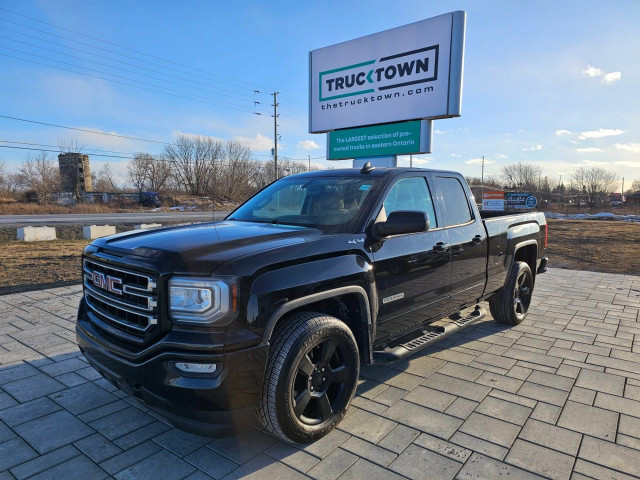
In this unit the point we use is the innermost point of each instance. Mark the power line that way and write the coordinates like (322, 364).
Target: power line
(118, 76)
(58, 146)
(85, 130)
(235, 83)
(249, 86)
(124, 83)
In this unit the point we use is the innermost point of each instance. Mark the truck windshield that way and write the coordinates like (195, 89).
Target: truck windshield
(327, 203)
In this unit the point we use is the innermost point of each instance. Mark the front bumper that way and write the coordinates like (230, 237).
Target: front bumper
(214, 405)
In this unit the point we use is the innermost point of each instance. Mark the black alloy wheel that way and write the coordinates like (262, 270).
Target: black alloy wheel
(522, 293)
(320, 386)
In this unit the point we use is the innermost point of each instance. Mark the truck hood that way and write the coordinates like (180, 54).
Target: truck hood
(201, 248)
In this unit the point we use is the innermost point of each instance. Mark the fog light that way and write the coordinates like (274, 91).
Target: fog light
(196, 367)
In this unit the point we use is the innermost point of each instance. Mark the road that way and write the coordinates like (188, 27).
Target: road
(108, 218)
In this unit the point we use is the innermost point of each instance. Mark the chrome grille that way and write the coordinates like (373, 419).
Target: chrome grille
(134, 310)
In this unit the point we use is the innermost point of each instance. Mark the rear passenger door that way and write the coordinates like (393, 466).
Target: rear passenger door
(467, 237)
(411, 270)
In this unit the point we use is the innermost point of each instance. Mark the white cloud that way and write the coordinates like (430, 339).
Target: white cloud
(478, 161)
(592, 71)
(440, 132)
(455, 155)
(593, 163)
(588, 150)
(421, 161)
(628, 147)
(259, 143)
(308, 145)
(532, 149)
(624, 163)
(601, 132)
(500, 155)
(559, 133)
(611, 78)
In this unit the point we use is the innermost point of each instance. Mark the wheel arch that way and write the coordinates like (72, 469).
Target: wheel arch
(527, 252)
(349, 304)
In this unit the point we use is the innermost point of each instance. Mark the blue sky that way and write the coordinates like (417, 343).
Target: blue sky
(555, 83)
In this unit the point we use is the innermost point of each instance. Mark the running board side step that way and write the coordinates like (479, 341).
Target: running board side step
(428, 335)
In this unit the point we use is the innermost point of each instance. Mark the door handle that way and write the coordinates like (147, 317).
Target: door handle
(441, 247)
(477, 239)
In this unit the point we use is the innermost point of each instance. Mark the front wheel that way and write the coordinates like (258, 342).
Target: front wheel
(311, 376)
(510, 305)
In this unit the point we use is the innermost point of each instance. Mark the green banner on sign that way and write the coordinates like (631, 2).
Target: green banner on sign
(391, 139)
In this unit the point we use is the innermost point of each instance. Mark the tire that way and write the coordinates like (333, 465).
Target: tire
(299, 347)
(510, 305)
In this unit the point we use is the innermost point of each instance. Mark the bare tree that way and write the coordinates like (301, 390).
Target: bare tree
(160, 172)
(104, 180)
(70, 145)
(195, 161)
(239, 169)
(635, 187)
(596, 184)
(138, 170)
(521, 177)
(40, 175)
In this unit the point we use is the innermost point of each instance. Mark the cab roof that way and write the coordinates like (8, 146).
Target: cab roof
(376, 172)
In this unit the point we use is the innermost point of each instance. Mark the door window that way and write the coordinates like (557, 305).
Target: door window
(455, 200)
(410, 193)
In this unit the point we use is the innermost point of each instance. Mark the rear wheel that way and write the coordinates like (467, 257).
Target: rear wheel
(311, 377)
(510, 305)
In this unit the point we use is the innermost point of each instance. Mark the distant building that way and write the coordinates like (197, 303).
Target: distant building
(75, 173)
(634, 198)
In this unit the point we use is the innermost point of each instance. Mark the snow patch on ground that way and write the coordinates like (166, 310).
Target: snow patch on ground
(595, 216)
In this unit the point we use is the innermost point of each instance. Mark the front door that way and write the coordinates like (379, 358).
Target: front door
(412, 270)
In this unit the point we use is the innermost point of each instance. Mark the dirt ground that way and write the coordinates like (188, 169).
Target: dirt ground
(597, 245)
(602, 246)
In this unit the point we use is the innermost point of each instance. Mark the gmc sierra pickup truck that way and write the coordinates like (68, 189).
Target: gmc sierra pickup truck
(271, 312)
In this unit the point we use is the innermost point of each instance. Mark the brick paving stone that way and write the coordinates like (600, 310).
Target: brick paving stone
(44, 462)
(602, 382)
(543, 393)
(163, 465)
(490, 429)
(130, 457)
(601, 424)
(481, 467)
(212, 463)
(289, 455)
(423, 419)
(399, 438)
(501, 382)
(83, 398)
(364, 469)
(366, 425)
(181, 443)
(122, 422)
(417, 462)
(455, 386)
(461, 408)
(503, 410)
(97, 448)
(610, 455)
(77, 468)
(582, 395)
(547, 435)
(32, 387)
(544, 461)
(549, 380)
(369, 451)
(53, 431)
(618, 404)
(15, 451)
(442, 447)
(24, 412)
(243, 447)
(333, 465)
(427, 397)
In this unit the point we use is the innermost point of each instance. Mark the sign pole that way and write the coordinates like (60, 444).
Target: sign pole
(482, 179)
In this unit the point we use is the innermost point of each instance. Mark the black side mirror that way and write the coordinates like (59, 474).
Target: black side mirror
(402, 221)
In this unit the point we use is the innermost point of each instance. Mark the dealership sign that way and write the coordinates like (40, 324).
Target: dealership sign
(380, 140)
(520, 200)
(406, 73)
(493, 200)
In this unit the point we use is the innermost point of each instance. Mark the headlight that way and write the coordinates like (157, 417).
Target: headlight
(202, 301)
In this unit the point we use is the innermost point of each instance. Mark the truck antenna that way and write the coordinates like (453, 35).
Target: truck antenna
(367, 168)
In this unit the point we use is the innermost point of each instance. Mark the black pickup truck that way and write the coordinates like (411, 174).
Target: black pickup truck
(271, 312)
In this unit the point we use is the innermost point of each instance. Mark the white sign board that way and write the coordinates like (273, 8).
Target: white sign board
(406, 73)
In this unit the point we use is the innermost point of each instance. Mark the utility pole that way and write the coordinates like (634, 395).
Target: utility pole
(482, 182)
(411, 161)
(622, 191)
(275, 135)
(309, 163)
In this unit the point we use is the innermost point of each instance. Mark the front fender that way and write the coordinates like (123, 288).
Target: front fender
(272, 290)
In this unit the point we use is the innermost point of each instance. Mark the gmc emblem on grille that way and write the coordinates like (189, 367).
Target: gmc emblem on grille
(107, 282)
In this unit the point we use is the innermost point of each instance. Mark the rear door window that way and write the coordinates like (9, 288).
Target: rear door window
(456, 204)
